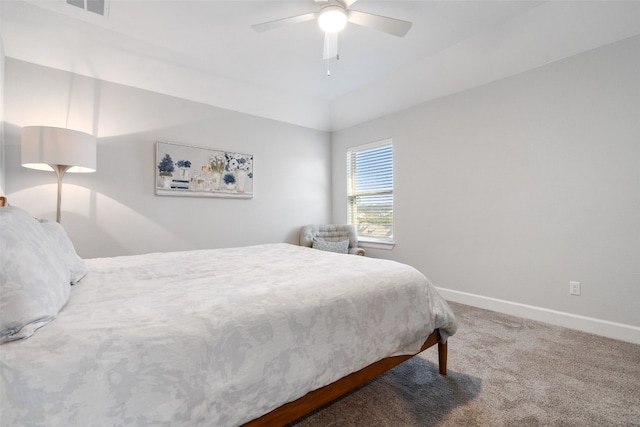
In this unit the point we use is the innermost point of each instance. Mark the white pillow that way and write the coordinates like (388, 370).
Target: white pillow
(65, 247)
(341, 247)
(34, 278)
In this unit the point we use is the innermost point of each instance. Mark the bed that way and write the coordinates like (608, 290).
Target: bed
(256, 335)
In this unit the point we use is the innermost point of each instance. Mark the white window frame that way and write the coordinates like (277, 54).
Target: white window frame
(385, 242)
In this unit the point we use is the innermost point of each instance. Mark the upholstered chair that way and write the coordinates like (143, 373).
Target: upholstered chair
(331, 237)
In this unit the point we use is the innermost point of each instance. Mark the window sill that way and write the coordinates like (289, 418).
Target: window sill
(376, 244)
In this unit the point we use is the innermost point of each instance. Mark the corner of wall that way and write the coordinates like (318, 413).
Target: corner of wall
(2, 168)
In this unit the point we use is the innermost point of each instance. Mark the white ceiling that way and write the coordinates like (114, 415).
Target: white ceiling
(206, 51)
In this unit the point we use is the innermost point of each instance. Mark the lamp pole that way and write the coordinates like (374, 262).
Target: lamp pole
(60, 170)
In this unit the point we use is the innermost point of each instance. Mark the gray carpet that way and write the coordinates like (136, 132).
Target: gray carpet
(503, 371)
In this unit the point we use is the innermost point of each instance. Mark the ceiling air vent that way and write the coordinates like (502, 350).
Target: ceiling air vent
(96, 6)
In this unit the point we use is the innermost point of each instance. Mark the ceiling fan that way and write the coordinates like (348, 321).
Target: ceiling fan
(333, 16)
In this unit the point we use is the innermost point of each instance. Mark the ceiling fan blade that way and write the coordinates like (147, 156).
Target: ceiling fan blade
(397, 27)
(348, 3)
(271, 25)
(330, 46)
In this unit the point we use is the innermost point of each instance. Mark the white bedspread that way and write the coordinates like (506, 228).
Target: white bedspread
(213, 337)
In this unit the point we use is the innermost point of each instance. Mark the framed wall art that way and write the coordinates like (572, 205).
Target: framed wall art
(183, 170)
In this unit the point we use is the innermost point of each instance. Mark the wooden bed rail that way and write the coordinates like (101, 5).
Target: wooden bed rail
(314, 399)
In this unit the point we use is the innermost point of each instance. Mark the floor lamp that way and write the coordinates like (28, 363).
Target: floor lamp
(60, 150)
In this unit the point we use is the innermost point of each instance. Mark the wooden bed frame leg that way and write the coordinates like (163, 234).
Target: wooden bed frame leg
(442, 357)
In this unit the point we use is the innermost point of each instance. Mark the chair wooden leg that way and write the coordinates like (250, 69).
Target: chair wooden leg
(442, 357)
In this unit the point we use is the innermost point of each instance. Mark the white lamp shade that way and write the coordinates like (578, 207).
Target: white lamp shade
(332, 19)
(43, 146)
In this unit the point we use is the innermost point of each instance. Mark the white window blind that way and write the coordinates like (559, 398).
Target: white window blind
(370, 190)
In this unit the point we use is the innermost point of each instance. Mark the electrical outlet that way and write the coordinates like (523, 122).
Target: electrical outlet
(574, 288)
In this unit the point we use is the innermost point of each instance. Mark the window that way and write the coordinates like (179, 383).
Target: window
(101, 7)
(370, 190)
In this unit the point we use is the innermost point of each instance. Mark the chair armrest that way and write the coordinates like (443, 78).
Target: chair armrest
(356, 251)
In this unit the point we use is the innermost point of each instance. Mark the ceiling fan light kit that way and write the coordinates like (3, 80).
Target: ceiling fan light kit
(332, 19)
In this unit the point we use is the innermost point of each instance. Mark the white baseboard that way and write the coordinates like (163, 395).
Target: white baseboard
(619, 331)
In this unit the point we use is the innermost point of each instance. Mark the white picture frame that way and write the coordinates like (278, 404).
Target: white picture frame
(183, 170)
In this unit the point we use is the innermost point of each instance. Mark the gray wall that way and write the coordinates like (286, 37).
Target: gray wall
(2, 116)
(115, 212)
(513, 189)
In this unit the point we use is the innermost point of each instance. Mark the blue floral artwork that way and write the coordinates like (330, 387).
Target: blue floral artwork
(183, 170)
